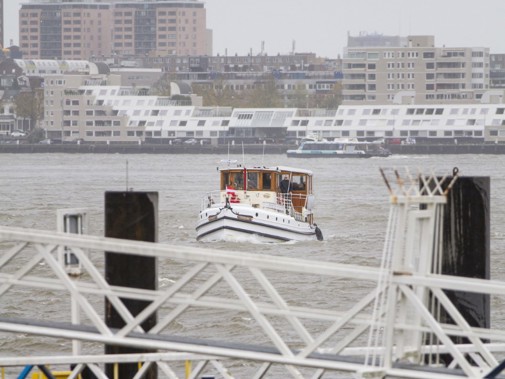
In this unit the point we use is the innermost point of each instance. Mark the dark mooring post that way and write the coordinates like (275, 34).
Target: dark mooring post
(466, 249)
(132, 216)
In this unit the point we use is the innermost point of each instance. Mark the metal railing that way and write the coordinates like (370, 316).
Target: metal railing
(252, 314)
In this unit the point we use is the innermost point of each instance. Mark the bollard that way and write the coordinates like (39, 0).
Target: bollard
(130, 215)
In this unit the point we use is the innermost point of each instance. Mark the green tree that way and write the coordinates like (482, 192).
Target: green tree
(182, 99)
(36, 135)
(30, 104)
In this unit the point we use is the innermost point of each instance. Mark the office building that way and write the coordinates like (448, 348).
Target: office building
(94, 29)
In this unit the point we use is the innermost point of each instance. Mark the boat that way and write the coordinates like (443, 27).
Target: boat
(266, 204)
(339, 148)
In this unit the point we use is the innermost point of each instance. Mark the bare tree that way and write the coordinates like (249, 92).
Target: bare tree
(217, 93)
(264, 95)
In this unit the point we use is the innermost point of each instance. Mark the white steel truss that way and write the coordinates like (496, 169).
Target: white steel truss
(391, 330)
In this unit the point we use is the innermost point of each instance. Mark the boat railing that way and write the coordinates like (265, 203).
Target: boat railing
(277, 207)
(210, 199)
(289, 203)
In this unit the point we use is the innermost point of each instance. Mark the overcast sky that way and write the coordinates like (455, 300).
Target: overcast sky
(321, 26)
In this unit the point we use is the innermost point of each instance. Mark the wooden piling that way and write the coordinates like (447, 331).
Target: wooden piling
(466, 247)
(133, 216)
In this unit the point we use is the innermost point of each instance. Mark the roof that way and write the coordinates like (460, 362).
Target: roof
(272, 168)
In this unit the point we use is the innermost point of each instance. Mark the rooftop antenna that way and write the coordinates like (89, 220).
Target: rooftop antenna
(262, 47)
(228, 161)
(294, 47)
(263, 157)
(127, 175)
(243, 154)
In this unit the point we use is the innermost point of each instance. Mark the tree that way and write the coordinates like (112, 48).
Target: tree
(333, 99)
(217, 94)
(182, 99)
(300, 98)
(264, 95)
(162, 86)
(37, 135)
(30, 104)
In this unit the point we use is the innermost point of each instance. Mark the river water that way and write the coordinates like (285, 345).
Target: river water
(352, 201)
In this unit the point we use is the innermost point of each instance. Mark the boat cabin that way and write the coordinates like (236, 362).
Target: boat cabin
(251, 185)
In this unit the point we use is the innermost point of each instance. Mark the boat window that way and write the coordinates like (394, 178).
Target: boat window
(226, 180)
(267, 181)
(238, 180)
(298, 182)
(252, 180)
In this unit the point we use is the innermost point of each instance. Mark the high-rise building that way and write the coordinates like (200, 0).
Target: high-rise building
(90, 29)
(411, 69)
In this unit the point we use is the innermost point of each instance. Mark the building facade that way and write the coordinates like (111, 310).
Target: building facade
(497, 71)
(97, 109)
(160, 28)
(412, 70)
(94, 29)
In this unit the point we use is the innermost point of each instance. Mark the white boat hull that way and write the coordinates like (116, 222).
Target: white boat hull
(235, 222)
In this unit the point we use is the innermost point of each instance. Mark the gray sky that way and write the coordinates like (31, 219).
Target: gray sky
(321, 26)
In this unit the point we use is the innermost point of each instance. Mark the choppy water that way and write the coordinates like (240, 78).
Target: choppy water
(352, 202)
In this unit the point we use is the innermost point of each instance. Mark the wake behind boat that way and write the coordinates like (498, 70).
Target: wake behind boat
(339, 148)
(273, 204)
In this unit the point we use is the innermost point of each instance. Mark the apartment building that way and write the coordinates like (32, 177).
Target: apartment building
(497, 71)
(93, 29)
(71, 109)
(160, 28)
(411, 69)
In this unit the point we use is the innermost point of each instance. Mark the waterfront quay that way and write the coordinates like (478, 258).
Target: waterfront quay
(478, 148)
